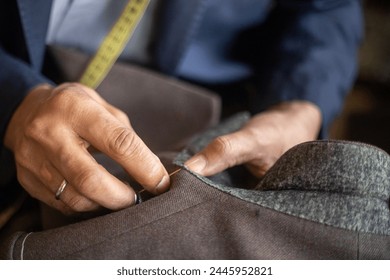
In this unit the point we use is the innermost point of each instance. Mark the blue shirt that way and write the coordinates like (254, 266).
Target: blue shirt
(83, 24)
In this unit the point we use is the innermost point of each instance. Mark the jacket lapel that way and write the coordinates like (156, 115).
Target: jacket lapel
(34, 17)
(179, 23)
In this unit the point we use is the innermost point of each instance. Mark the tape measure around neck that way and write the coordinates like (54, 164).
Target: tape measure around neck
(114, 43)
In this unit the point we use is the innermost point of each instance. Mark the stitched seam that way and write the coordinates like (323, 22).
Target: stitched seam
(23, 244)
(138, 227)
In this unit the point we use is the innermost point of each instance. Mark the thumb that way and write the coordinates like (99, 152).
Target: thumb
(223, 152)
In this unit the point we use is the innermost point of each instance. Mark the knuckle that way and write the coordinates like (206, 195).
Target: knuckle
(67, 96)
(42, 129)
(86, 180)
(60, 98)
(69, 87)
(36, 129)
(123, 143)
(222, 144)
(231, 155)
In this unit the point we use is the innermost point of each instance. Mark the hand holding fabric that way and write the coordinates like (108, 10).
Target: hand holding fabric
(261, 141)
(51, 133)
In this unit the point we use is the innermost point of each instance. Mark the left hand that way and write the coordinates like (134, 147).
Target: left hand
(261, 141)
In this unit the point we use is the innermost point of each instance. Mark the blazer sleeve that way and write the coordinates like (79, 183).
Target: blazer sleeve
(310, 54)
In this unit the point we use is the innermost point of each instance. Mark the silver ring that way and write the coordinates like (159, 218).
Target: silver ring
(61, 189)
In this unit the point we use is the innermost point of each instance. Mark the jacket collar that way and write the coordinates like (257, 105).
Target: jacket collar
(180, 21)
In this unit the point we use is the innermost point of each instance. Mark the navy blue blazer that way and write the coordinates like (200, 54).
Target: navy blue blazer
(291, 49)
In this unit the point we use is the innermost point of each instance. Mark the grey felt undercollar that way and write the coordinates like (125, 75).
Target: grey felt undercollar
(337, 183)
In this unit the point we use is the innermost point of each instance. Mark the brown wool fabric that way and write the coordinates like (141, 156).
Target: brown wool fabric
(196, 221)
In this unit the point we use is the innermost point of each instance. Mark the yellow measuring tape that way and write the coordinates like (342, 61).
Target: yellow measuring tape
(114, 43)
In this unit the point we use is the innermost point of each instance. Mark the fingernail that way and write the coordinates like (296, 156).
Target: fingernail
(196, 164)
(163, 185)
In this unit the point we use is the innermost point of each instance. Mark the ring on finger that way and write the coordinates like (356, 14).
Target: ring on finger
(61, 189)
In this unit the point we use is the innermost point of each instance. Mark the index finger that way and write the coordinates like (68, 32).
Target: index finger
(223, 152)
(120, 142)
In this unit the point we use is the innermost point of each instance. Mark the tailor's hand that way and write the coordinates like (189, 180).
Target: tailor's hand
(261, 141)
(50, 133)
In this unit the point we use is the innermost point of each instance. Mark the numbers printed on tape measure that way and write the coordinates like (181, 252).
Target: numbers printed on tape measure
(114, 43)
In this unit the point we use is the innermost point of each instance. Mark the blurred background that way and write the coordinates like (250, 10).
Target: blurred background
(366, 114)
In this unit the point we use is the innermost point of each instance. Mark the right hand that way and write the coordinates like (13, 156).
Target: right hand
(50, 134)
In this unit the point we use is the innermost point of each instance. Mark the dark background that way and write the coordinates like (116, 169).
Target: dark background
(366, 114)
